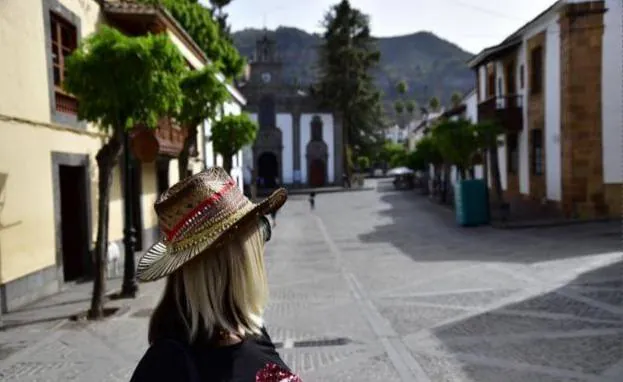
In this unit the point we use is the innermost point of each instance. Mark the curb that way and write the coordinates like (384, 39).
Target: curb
(548, 224)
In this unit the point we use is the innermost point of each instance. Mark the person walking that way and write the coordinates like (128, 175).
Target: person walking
(312, 200)
(209, 324)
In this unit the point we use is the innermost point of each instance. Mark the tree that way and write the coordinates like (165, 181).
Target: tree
(120, 82)
(457, 143)
(399, 107)
(363, 163)
(203, 94)
(434, 104)
(391, 150)
(456, 99)
(230, 134)
(200, 23)
(346, 61)
(402, 88)
(410, 106)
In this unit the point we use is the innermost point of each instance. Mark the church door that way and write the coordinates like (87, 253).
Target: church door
(268, 170)
(317, 173)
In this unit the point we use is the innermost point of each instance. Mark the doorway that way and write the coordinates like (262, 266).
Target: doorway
(268, 170)
(317, 173)
(74, 222)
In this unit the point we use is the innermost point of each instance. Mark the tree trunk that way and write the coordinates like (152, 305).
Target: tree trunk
(189, 143)
(106, 159)
(227, 163)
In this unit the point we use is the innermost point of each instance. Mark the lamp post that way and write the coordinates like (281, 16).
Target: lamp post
(129, 287)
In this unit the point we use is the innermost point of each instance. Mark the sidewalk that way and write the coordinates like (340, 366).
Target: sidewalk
(32, 324)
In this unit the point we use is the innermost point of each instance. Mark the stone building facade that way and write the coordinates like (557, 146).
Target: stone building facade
(298, 143)
(555, 86)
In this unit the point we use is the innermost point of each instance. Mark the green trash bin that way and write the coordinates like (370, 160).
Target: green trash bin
(470, 201)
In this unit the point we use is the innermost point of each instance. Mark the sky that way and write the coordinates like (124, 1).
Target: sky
(471, 24)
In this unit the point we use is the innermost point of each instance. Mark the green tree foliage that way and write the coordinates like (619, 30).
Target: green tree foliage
(121, 82)
(410, 106)
(399, 107)
(434, 103)
(204, 95)
(346, 60)
(230, 134)
(398, 159)
(416, 161)
(429, 151)
(199, 22)
(402, 88)
(363, 163)
(456, 99)
(457, 143)
(391, 150)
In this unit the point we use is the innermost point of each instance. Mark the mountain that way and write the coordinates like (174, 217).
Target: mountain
(430, 65)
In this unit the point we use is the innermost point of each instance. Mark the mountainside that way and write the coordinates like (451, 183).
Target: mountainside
(430, 65)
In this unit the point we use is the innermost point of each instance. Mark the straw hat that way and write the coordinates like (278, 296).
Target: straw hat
(199, 213)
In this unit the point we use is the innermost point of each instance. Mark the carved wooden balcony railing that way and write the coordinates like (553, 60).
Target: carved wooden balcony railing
(166, 140)
(170, 137)
(505, 110)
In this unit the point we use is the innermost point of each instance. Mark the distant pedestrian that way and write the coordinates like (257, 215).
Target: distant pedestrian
(273, 216)
(312, 200)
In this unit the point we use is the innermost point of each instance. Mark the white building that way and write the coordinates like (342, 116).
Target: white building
(560, 100)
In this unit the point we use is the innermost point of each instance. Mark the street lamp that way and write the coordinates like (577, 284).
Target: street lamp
(129, 288)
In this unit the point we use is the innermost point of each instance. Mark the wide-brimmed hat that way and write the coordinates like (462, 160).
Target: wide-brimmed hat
(197, 214)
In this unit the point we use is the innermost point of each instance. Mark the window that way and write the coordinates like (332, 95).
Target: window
(316, 129)
(536, 70)
(64, 42)
(267, 117)
(64, 39)
(536, 142)
(510, 79)
(521, 76)
(512, 153)
(491, 85)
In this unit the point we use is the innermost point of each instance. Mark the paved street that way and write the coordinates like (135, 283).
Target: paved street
(383, 286)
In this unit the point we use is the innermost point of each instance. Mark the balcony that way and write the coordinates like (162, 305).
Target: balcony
(506, 110)
(167, 140)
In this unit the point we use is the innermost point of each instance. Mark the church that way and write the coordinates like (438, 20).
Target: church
(298, 144)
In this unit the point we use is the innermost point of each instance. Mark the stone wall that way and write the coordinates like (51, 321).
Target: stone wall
(583, 190)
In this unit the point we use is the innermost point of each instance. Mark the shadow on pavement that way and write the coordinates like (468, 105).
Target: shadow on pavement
(577, 328)
(426, 231)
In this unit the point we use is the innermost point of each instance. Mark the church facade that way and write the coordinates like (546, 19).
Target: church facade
(298, 144)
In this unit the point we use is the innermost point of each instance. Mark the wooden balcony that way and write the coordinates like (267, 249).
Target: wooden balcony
(170, 138)
(505, 110)
(168, 142)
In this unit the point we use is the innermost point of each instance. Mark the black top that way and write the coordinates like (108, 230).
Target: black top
(247, 361)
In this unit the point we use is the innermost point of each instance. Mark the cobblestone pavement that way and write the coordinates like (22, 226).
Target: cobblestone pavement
(383, 286)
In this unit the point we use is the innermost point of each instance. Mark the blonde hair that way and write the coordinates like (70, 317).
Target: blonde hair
(224, 289)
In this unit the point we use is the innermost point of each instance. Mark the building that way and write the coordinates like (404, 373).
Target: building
(555, 87)
(396, 134)
(298, 143)
(48, 171)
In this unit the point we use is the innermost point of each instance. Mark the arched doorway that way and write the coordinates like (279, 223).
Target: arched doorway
(268, 170)
(317, 173)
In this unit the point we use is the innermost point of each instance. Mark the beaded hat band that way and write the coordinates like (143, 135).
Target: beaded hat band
(200, 213)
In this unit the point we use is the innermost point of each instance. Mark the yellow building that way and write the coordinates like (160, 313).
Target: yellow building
(48, 172)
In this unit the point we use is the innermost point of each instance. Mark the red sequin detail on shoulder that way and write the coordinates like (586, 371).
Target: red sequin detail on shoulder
(274, 373)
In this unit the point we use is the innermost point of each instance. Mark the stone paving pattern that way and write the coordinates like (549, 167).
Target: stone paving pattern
(383, 286)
